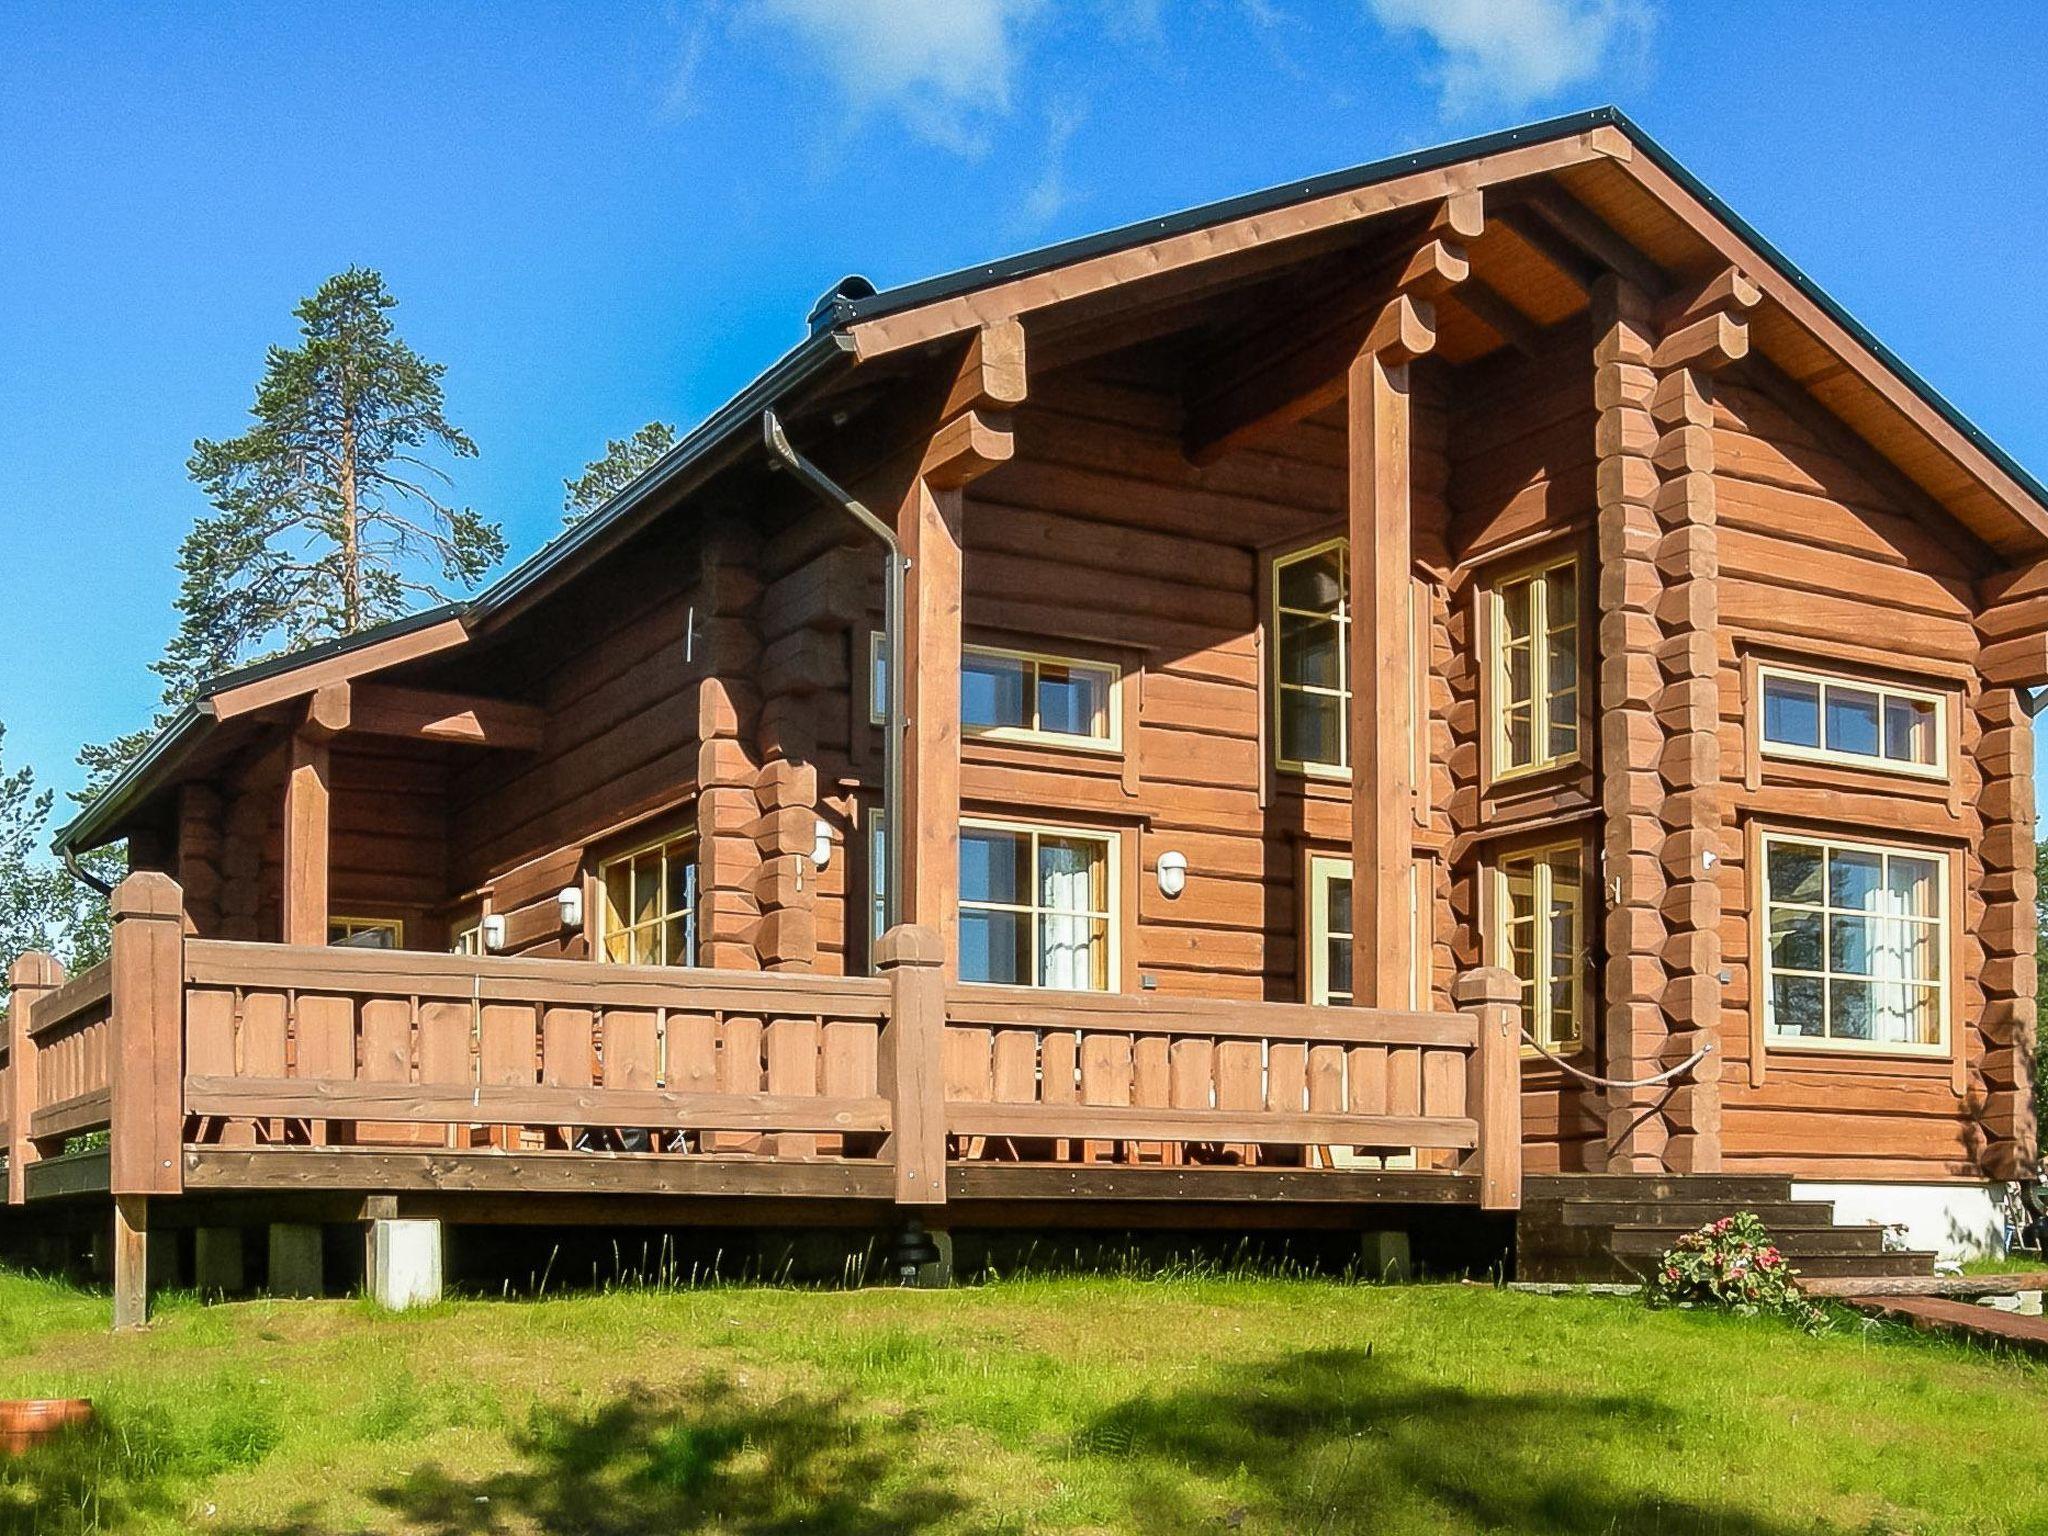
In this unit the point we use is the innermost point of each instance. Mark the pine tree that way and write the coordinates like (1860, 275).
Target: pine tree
(624, 459)
(41, 907)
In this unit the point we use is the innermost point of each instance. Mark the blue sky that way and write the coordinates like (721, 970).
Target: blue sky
(599, 214)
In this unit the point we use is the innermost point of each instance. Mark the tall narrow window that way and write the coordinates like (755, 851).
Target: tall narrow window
(467, 935)
(1534, 704)
(1540, 935)
(1037, 906)
(1834, 719)
(1332, 931)
(1855, 935)
(649, 911)
(1311, 663)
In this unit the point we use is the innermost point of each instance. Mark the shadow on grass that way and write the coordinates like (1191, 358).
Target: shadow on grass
(1333, 1441)
(678, 1462)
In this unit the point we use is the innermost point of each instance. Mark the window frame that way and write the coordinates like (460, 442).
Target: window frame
(1111, 917)
(1500, 953)
(1944, 921)
(1320, 870)
(466, 934)
(1278, 689)
(601, 925)
(1494, 673)
(1835, 757)
(355, 924)
(1110, 743)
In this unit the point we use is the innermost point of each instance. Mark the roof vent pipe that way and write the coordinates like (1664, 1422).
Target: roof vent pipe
(826, 489)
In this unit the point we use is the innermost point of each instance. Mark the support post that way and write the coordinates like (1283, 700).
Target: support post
(928, 527)
(131, 1261)
(1381, 553)
(306, 815)
(1493, 1083)
(913, 960)
(147, 1094)
(30, 977)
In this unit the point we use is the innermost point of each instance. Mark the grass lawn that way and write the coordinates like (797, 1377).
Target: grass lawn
(1104, 1405)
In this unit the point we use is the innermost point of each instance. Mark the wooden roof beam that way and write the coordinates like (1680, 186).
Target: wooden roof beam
(1566, 259)
(463, 719)
(1491, 309)
(1581, 227)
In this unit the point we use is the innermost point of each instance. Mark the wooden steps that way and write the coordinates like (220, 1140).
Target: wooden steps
(1595, 1227)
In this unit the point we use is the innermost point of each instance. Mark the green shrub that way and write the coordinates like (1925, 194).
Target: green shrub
(1733, 1264)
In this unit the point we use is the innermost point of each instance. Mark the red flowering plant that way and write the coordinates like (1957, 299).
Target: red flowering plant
(1733, 1263)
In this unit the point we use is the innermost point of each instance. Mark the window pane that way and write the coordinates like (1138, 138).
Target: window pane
(995, 946)
(1518, 745)
(1792, 711)
(678, 883)
(1562, 600)
(1315, 582)
(618, 945)
(1073, 952)
(1520, 679)
(994, 866)
(1311, 728)
(1796, 1005)
(676, 934)
(1310, 650)
(1564, 724)
(1073, 700)
(1339, 920)
(1853, 879)
(1072, 875)
(1849, 1010)
(1795, 872)
(1564, 660)
(994, 691)
(647, 886)
(1913, 884)
(1339, 965)
(1849, 945)
(878, 680)
(1909, 726)
(618, 895)
(1795, 940)
(1920, 946)
(1851, 720)
(1517, 610)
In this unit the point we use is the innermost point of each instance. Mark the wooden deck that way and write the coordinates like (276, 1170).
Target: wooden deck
(186, 1069)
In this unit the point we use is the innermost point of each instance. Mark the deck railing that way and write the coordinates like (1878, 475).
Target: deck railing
(178, 1044)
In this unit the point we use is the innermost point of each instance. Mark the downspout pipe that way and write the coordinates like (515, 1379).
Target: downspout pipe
(84, 876)
(826, 489)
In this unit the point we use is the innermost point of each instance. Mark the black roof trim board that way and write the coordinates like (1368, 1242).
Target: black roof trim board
(730, 430)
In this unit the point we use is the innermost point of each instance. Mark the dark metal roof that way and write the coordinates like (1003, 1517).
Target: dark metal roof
(728, 432)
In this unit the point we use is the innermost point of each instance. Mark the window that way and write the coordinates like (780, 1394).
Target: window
(1831, 719)
(1021, 696)
(1036, 906)
(1331, 932)
(878, 883)
(649, 907)
(468, 937)
(1854, 942)
(366, 932)
(1539, 923)
(1311, 660)
(1534, 705)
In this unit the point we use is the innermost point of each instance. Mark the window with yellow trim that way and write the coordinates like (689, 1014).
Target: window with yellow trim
(367, 932)
(647, 905)
(1539, 934)
(1533, 697)
(1855, 944)
(1037, 906)
(1311, 660)
(468, 936)
(1331, 932)
(1022, 696)
(1826, 718)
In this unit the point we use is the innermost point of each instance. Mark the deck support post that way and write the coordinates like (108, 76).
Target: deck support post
(295, 1267)
(406, 1262)
(131, 1261)
(28, 979)
(218, 1265)
(1493, 1085)
(909, 1058)
(146, 1109)
(307, 794)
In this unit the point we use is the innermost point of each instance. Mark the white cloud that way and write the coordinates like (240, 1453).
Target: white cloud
(945, 65)
(1518, 51)
(1050, 194)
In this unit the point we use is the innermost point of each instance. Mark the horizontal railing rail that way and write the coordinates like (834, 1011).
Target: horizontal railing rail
(70, 1029)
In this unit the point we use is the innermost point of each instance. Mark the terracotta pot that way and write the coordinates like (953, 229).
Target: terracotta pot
(29, 1422)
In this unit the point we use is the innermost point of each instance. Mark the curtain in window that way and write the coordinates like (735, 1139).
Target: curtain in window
(1065, 886)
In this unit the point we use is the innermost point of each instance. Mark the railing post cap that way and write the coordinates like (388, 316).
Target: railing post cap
(148, 893)
(1486, 984)
(33, 968)
(909, 944)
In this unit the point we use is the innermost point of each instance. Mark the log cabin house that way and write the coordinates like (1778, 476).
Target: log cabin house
(1463, 682)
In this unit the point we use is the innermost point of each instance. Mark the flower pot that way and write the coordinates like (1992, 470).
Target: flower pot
(29, 1422)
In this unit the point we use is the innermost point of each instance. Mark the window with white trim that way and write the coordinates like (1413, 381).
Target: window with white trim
(366, 932)
(1539, 935)
(1855, 941)
(1825, 718)
(647, 910)
(1022, 696)
(1311, 660)
(1533, 697)
(1037, 906)
(468, 936)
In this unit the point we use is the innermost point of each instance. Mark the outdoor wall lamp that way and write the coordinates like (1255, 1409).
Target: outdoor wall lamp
(1173, 874)
(821, 845)
(569, 902)
(493, 931)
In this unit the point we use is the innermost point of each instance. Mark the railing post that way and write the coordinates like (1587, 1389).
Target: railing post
(914, 960)
(147, 1012)
(1493, 1084)
(31, 976)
